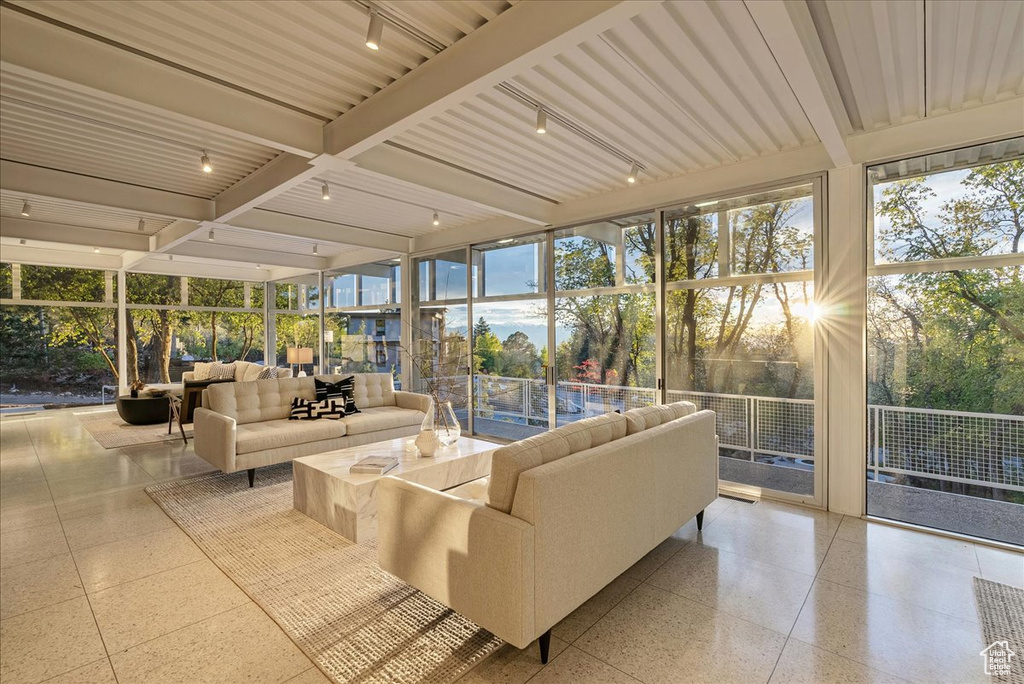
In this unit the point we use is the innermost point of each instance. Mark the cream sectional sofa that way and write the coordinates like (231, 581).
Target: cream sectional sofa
(244, 425)
(562, 515)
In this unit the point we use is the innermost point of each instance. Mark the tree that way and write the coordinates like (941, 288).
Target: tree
(149, 331)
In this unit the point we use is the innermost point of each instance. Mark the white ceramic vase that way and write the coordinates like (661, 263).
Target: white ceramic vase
(426, 443)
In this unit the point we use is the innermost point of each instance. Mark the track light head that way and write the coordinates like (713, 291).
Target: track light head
(437, 221)
(96, 250)
(206, 165)
(325, 191)
(25, 208)
(22, 241)
(142, 224)
(633, 173)
(315, 250)
(542, 121)
(375, 30)
(209, 236)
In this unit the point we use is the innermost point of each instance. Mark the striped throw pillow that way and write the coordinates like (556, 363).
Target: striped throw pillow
(268, 373)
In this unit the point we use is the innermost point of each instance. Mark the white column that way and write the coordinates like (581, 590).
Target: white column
(410, 317)
(269, 326)
(844, 302)
(122, 332)
(323, 322)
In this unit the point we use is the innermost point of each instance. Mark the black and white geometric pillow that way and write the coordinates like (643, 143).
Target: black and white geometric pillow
(344, 388)
(306, 409)
(268, 373)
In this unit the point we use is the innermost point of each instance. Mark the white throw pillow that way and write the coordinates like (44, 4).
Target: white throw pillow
(201, 371)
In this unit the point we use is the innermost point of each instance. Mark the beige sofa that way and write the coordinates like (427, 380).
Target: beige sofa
(245, 371)
(561, 516)
(244, 425)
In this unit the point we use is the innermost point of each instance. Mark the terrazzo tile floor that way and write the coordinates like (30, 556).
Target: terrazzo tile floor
(98, 585)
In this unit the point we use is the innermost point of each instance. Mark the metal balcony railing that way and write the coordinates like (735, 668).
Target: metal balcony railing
(972, 448)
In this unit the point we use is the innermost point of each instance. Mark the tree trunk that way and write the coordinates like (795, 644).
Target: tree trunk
(164, 346)
(213, 336)
(132, 349)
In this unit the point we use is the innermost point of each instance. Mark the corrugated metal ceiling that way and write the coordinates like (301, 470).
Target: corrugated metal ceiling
(55, 127)
(270, 242)
(377, 203)
(680, 87)
(76, 214)
(308, 54)
(902, 61)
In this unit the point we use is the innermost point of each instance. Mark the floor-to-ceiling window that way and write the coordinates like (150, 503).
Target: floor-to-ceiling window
(294, 318)
(175, 321)
(510, 338)
(363, 319)
(58, 335)
(439, 316)
(945, 334)
(739, 330)
(605, 332)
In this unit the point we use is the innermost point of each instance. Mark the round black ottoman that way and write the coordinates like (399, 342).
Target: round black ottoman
(142, 410)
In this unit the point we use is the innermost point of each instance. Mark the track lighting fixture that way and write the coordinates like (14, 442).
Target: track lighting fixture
(142, 224)
(170, 257)
(542, 121)
(325, 191)
(315, 250)
(209, 235)
(437, 221)
(96, 250)
(633, 172)
(374, 31)
(205, 161)
(25, 209)
(22, 241)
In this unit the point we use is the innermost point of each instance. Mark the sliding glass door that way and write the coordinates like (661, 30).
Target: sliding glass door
(945, 335)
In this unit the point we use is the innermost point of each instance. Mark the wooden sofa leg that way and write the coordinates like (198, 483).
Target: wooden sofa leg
(700, 521)
(252, 476)
(545, 644)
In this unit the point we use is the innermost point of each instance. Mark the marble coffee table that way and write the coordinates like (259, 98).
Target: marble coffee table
(346, 502)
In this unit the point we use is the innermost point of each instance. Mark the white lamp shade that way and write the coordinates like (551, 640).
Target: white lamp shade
(328, 336)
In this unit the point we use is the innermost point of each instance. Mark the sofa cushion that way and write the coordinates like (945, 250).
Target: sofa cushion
(201, 370)
(374, 389)
(640, 419)
(509, 462)
(250, 402)
(381, 418)
(246, 371)
(273, 434)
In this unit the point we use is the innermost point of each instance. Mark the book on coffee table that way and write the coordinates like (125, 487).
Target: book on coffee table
(374, 465)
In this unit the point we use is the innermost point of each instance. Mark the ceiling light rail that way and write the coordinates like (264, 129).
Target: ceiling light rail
(548, 113)
(396, 21)
(325, 188)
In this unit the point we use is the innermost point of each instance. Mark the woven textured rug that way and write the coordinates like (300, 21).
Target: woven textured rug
(356, 622)
(112, 432)
(1001, 608)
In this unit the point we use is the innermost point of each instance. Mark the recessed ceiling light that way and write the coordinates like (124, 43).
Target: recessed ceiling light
(375, 30)
(25, 209)
(205, 162)
(633, 173)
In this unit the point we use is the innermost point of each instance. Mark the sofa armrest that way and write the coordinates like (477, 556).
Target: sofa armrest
(188, 376)
(215, 438)
(412, 400)
(474, 559)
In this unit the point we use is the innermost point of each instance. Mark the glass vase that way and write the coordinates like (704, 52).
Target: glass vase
(441, 419)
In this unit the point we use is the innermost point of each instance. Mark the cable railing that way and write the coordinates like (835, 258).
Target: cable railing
(956, 446)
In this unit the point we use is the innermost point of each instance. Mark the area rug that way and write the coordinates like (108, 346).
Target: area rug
(356, 622)
(112, 432)
(1001, 608)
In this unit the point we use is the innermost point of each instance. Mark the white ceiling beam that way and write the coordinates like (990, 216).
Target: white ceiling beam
(27, 254)
(395, 163)
(62, 233)
(962, 128)
(279, 175)
(787, 27)
(321, 231)
(362, 261)
(46, 52)
(200, 268)
(512, 42)
(173, 235)
(98, 192)
(250, 255)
